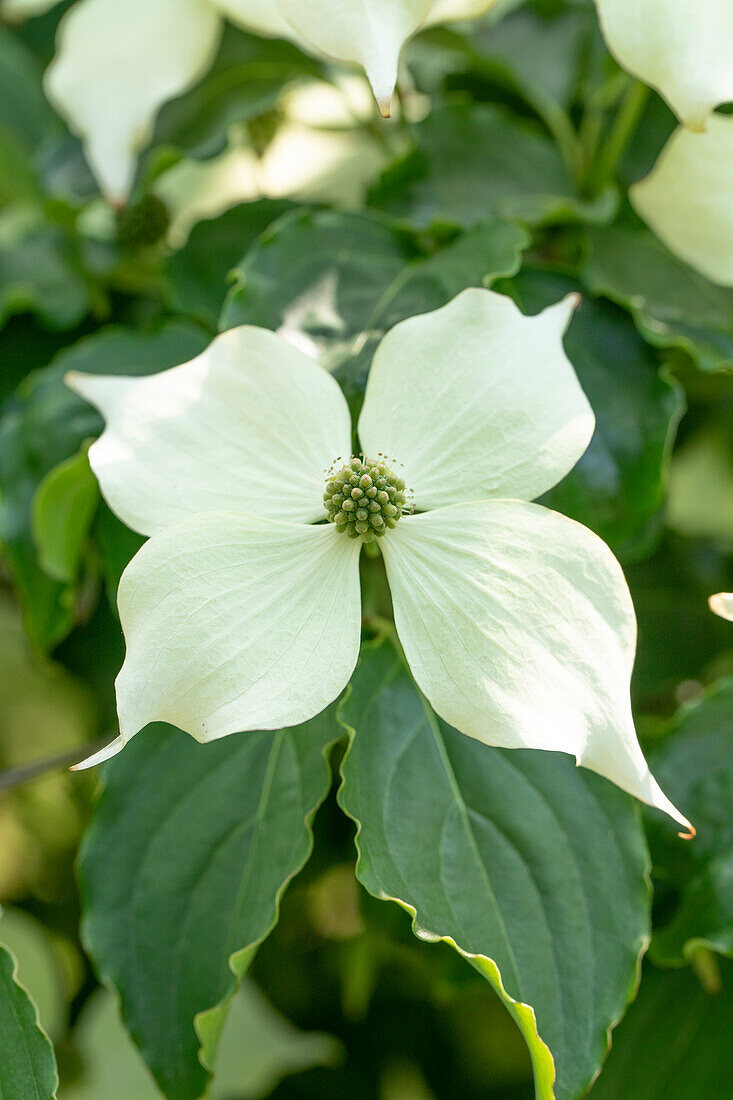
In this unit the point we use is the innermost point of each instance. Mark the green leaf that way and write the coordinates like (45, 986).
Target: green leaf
(334, 280)
(63, 510)
(245, 81)
(618, 486)
(27, 123)
(40, 956)
(695, 763)
(672, 305)
(319, 274)
(674, 1042)
(27, 1064)
(111, 1066)
(27, 114)
(205, 838)
(679, 638)
(39, 272)
(259, 1047)
(532, 868)
(43, 425)
(701, 478)
(117, 546)
(199, 272)
(472, 163)
(537, 55)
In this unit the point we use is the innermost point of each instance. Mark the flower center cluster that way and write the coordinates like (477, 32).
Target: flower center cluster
(364, 499)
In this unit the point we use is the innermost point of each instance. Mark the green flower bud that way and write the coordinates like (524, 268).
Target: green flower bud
(364, 499)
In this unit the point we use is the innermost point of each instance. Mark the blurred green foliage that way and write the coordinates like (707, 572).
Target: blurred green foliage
(495, 173)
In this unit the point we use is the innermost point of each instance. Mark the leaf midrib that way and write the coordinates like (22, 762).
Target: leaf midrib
(433, 725)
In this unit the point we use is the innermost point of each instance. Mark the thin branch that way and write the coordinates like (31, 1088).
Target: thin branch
(26, 773)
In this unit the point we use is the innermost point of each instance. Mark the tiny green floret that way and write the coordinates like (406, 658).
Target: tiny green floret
(364, 498)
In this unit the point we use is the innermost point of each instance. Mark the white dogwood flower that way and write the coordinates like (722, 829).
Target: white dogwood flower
(118, 62)
(687, 198)
(722, 604)
(682, 48)
(243, 610)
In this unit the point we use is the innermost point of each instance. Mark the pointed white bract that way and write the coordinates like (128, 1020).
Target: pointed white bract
(722, 604)
(516, 622)
(116, 64)
(682, 48)
(101, 757)
(476, 401)
(518, 627)
(369, 32)
(449, 11)
(260, 16)
(687, 198)
(251, 425)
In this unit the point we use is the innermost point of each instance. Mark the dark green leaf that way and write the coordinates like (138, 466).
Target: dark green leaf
(40, 274)
(672, 305)
(475, 163)
(244, 82)
(205, 838)
(319, 274)
(43, 426)
(26, 114)
(695, 765)
(679, 638)
(538, 55)
(618, 486)
(336, 279)
(27, 123)
(674, 1043)
(117, 547)
(27, 1064)
(199, 271)
(532, 868)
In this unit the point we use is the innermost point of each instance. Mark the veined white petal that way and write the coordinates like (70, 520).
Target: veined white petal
(235, 622)
(722, 604)
(251, 425)
(116, 64)
(260, 16)
(447, 11)
(368, 32)
(687, 198)
(683, 48)
(519, 628)
(477, 401)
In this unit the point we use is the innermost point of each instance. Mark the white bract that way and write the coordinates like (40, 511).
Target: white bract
(722, 604)
(687, 198)
(243, 609)
(118, 62)
(682, 48)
